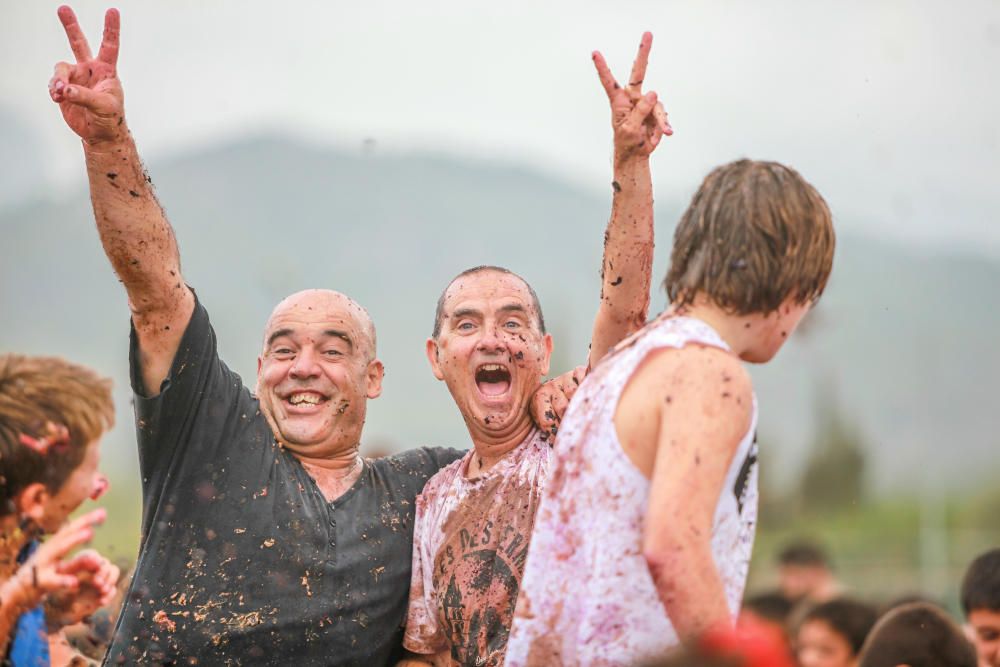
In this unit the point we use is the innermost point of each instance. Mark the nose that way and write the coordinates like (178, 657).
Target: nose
(491, 340)
(101, 485)
(305, 365)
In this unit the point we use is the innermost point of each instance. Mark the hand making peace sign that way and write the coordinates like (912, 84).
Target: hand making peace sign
(639, 121)
(88, 92)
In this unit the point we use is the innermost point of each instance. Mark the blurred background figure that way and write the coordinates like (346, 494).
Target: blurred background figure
(832, 633)
(769, 612)
(805, 573)
(981, 605)
(917, 635)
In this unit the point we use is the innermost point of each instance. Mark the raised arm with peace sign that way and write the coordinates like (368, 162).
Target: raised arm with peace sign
(88, 92)
(638, 119)
(639, 122)
(136, 235)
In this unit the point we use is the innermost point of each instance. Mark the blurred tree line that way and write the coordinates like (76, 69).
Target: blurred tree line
(882, 546)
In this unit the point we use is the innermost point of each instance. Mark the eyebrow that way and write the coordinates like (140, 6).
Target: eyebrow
(514, 308)
(278, 334)
(465, 312)
(330, 333)
(343, 335)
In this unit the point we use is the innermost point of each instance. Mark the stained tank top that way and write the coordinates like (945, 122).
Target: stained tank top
(587, 596)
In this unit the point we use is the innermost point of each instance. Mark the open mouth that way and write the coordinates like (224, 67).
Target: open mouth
(493, 379)
(305, 399)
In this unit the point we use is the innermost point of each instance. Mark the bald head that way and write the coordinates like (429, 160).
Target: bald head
(316, 305)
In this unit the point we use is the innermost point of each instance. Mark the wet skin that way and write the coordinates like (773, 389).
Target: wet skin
(492, 355)
(315, 373)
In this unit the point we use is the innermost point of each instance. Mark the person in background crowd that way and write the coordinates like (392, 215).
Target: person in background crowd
(917, 635)
(832, 633)
(806, 573)
(981, 605)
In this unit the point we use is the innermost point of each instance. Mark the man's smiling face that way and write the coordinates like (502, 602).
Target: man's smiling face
(316, 372)
(490, 350)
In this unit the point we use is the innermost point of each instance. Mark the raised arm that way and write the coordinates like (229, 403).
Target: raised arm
(134, 230)
(704, 410)
(639, 122)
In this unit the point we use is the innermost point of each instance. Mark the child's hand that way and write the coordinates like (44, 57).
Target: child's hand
(44, 572)
(96, 577)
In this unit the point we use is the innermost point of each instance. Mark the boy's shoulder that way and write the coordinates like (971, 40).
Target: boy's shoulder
(669, 374)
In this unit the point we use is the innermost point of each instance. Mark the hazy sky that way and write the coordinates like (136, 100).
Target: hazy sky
(890, 108)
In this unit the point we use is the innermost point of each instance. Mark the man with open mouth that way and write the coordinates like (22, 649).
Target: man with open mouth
(489, 345)
(266, 538)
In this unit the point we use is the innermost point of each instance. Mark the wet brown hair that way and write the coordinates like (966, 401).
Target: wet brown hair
(36, 393)
(755, 234)
(439, 312)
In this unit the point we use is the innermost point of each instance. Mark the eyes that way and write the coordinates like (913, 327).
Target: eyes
(286, 353)
(467, 326)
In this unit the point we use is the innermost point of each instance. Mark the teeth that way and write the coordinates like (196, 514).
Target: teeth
(295, 399)
(491, 367)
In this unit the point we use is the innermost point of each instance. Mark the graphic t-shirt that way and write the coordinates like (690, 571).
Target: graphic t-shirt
(242, 560)
(470, 546)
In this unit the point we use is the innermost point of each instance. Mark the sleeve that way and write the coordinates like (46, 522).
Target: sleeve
(195, 403)
(423, 633)
(442, 456)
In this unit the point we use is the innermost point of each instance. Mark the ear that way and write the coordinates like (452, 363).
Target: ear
(376, 371)
(432, 356)
(32, 501)
(260, 366)
(547, 340)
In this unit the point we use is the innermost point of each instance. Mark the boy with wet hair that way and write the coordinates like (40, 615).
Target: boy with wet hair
(981, 604)
(644, 533)
(52, 416)
(917, 635)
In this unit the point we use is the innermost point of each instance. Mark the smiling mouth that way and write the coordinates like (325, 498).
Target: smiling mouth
(493, 380)
(305, 399)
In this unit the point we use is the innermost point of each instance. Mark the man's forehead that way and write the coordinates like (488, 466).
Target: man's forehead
(317, 309)
(489, 285)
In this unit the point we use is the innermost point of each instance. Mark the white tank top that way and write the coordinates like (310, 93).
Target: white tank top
(587, 596)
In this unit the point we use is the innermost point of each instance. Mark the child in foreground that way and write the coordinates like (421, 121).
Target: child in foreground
(52, 416)
(644, 534)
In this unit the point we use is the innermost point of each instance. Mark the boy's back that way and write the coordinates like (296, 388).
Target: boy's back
(644, 534)
(595, 602)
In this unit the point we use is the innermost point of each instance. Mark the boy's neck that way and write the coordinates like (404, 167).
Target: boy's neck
(742, 333)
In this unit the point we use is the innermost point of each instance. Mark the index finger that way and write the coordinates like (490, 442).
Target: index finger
(604, 73)
(109, 45)
(77, 41)
(641, 60)
(76, 532)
